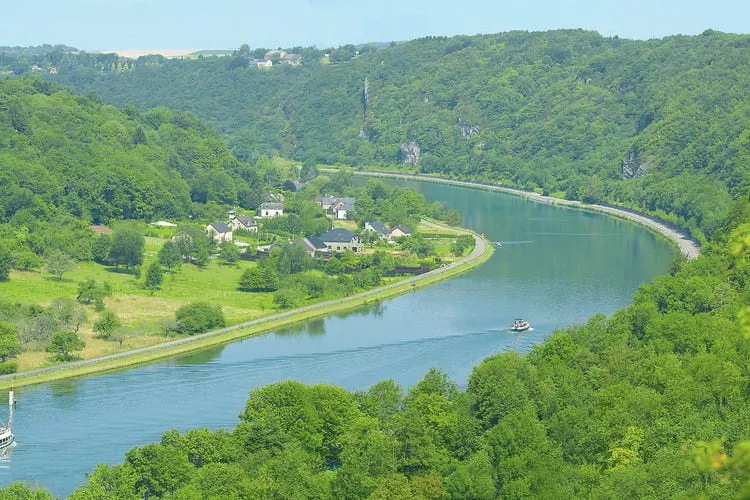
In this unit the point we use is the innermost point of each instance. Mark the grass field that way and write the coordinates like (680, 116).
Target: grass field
(144, 312)
(272, 322)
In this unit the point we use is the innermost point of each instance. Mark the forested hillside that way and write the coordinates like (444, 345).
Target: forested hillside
(63, 154)
(660, 125)
(650, 403)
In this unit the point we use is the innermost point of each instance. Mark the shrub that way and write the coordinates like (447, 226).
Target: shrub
(198, 317)
(8, 367)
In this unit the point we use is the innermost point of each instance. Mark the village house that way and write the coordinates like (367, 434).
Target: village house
(275, 52)
(343, 207)
(270, 209)
(265, 63)
(340, 240)
(313, 246)
(325, 202)
(398, 231)
(376, 227)
(340, 207)
(220, 232)
(244, 223)
(292, 59)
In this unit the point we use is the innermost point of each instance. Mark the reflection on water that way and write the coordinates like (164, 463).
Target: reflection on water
(453, 325)
(317, 326)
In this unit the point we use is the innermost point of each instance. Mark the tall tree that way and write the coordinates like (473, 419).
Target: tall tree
(127, 247)
(59, 263)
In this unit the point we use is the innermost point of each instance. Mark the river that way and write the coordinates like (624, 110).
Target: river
(556, 267)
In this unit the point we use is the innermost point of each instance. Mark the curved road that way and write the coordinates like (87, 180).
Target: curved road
(689, 247)
(480, 247)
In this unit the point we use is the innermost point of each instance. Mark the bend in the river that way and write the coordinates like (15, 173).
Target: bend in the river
(557, 267)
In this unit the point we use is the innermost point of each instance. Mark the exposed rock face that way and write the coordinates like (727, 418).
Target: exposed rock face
(467, 129)
(631, 166)
(409, 152)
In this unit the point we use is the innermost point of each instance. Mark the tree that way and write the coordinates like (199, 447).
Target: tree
(192, 245)
(90, 291)
(64, 344)
(101, 247)
(6, 262)
(154, 276)
(9, 346)
(198, 317)
(26, 260)
(59, 263)
(230, 253)
(169, 255)
(68, 314)
(259, 279)
(127, 247)
(107, 323)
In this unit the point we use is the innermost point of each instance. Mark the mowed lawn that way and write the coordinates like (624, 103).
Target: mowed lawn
(142, 311)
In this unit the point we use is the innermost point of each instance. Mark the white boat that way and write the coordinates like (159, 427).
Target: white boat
(519, 325)
(7, 439)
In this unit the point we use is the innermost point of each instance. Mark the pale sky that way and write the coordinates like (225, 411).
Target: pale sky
(226, 24)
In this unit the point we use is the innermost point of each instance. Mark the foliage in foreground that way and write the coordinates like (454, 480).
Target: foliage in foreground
(651, 402)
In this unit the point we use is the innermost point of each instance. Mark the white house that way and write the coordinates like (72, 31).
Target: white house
(269, 209)
(244, 223)
(399, 231)
(219, 231)
(376, 227)
(339, 240)
(343, 208)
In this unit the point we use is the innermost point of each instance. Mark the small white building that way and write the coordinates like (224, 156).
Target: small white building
(399, 231)
(269, 209)
(376, 227)
(220, 232)
(244, 223)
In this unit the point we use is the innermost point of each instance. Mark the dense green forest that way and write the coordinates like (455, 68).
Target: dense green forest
(63, 154)
(649, 403)
(659, 125)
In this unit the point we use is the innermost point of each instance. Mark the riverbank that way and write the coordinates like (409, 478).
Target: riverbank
(687, 246)
(480, 254)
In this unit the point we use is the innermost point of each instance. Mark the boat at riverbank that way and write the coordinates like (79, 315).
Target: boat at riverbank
(7, 439)
(520, 325)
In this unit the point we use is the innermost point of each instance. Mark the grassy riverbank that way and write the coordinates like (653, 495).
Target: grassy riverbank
(676, 236)
(481, 253)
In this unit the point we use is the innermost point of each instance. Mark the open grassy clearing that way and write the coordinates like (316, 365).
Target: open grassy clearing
(272, 322)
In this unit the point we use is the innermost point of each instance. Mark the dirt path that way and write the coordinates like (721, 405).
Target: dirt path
(689, 247)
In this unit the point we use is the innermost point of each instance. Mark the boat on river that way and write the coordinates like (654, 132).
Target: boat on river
(519, 325)
(7, 439)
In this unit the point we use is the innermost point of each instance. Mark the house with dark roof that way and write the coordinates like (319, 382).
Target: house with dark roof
(292, 59)
(244, 223)
(399, 231)
(325, 202)
(343, 207)
(219, 231)
(270, 209)
(340, 240)
(314, 246)
(377, 227)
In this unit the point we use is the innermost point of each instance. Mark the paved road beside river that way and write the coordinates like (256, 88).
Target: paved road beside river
(689, 247)
(252, 327)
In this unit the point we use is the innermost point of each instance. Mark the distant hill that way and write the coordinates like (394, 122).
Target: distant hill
(658, 125)
(66, 154)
